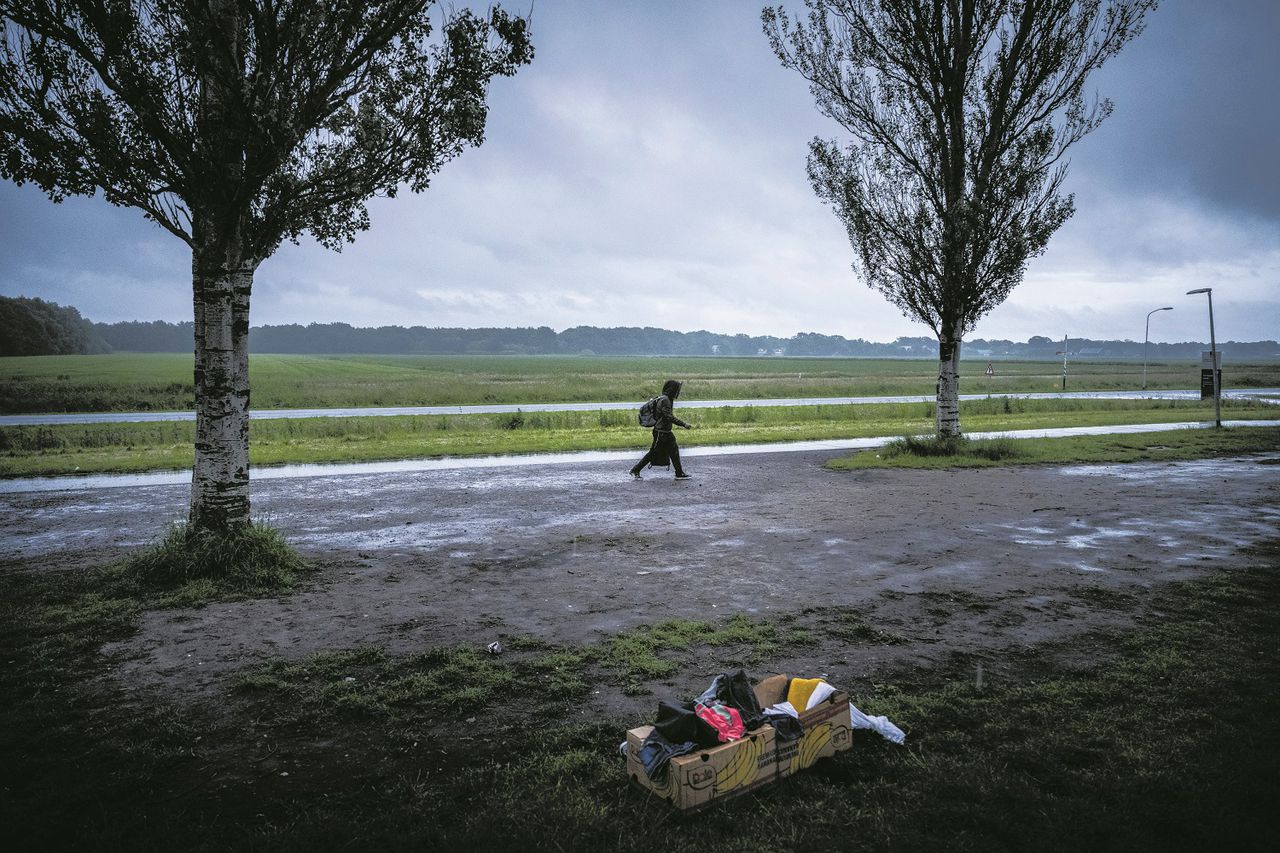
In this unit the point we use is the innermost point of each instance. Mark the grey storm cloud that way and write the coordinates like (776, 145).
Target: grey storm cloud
(648, 169)
(1196, 110)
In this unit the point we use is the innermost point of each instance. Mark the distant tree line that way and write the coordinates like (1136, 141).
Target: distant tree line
(338, 338)
(35, 327)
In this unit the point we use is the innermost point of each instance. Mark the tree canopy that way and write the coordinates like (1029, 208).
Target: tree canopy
(323, 105)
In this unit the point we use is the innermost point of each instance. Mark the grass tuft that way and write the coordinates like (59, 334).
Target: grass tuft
(936, 446)
(194, 566)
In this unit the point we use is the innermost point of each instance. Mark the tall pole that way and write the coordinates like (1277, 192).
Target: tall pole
(1064, 362)
(1213, 358)
(1213, 348)
(1146, 337)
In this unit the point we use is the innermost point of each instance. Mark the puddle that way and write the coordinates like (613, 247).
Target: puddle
(1094, 539)
(1167, 473)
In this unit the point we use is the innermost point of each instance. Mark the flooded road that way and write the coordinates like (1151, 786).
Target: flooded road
(1269, 394)
(405, 466)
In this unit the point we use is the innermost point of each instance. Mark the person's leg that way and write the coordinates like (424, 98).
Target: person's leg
(646, 459)
(674, 450)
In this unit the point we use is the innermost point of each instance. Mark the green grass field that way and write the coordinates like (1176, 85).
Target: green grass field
(162, 382)
(98, 448)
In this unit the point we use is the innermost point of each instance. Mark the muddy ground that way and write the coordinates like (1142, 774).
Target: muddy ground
(977, 563)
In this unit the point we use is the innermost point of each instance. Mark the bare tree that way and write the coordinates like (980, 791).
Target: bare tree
(960, 112)
(234, 125)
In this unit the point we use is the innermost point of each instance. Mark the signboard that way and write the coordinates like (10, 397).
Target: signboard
(1208, 361)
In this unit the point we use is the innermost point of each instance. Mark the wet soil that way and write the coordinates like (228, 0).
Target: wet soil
(967, 563)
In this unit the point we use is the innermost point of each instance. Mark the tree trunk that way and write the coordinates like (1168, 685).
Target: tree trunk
(221, 280)
(221, 283)
(948, 404)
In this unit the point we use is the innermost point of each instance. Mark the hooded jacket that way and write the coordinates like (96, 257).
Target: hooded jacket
(663, 415)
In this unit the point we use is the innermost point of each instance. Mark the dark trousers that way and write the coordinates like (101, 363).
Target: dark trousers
(663, 448)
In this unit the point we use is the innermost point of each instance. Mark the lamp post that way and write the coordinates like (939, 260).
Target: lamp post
(1213, 357)
(1145, 338)
(1063, 352)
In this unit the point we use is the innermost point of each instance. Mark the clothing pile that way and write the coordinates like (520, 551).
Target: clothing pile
(728, 709)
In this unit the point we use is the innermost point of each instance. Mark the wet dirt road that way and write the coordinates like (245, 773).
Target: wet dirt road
(954, 561)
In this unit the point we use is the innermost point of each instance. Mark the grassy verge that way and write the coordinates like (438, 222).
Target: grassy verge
(1169, 446)
(1169, 743)
(94, 448)
(162, 381)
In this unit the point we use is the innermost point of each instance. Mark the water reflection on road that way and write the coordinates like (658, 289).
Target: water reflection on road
(164, 478)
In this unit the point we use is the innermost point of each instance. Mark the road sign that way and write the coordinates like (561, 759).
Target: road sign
(990, 370)
(1208, 361)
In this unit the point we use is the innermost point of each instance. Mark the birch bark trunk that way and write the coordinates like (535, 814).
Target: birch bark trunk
(222, 277)
(948, 406)
(222, 281)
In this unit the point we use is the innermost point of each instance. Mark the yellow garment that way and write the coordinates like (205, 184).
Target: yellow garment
(799, 691)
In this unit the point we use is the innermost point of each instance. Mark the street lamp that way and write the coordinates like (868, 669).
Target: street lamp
(1145, 338)
(1213, 357)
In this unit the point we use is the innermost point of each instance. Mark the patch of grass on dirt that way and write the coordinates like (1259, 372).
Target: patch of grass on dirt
(847, 625)
(1106, 599)
(956, 599)
(192, 567)
(1170, 446)
(362, 684)
(658, 651)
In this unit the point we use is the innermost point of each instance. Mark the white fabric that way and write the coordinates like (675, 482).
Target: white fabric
(859, 720)
(880, 725)
(819, 694)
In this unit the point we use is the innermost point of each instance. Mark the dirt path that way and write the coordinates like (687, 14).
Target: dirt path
(953, 562)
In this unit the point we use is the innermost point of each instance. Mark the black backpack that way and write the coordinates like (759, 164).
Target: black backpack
(649, 413)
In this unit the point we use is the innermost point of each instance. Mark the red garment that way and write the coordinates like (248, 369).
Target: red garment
(725, 720)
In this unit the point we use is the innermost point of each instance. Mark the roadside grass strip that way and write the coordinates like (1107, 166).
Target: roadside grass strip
(1171, 446)
(1164, 739)
(27, 451)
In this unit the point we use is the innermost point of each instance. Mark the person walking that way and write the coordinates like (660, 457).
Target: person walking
(664, 446)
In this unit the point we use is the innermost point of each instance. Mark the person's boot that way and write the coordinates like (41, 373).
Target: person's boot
(683, 476)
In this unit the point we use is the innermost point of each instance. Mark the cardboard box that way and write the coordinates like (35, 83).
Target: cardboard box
(734, 768)
(723, 771)
(827, 727)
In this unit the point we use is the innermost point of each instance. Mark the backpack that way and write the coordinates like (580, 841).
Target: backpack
(649, 413)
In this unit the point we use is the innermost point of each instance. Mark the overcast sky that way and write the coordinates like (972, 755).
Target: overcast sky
(649, 169)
